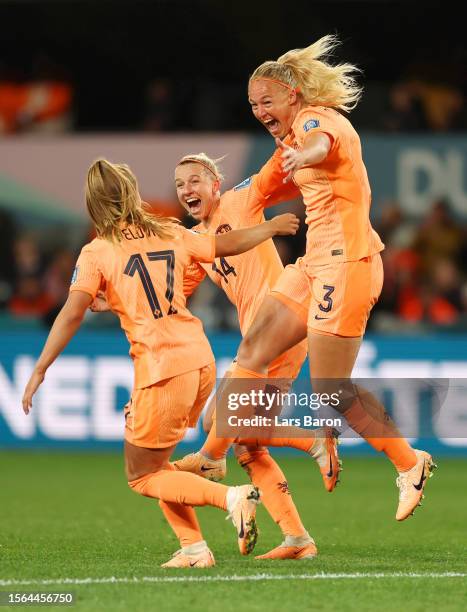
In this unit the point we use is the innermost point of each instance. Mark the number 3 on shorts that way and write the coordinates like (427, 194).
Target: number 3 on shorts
(327, 298)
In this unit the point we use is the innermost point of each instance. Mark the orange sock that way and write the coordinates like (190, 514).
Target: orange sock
(373, 423)
(398, 451)
(183, 521)
(214, 447)
(181, 488)
(269, 478)
(303, 444)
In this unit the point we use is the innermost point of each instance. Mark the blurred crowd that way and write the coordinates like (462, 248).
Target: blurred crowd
(46, 101)
(425, 269)
(39, 100)
(425, 259)
(35, 274)
(425, 263)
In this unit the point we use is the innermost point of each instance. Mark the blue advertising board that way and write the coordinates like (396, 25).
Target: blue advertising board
(80, 402)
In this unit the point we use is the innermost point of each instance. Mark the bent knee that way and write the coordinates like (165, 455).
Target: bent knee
(137, 485)
(251, 353)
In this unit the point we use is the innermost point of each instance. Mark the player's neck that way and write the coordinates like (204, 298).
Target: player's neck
(206, 222)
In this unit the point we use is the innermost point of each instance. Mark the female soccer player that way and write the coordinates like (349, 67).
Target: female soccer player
(139, 260)
(247, 279)
(303, 97)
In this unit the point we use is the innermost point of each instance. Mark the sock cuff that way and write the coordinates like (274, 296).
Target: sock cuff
(195, 548)
(301, 540)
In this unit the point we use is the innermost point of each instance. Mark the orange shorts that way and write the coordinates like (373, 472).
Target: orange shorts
(343, 295)
(158, 416)
(292, 289)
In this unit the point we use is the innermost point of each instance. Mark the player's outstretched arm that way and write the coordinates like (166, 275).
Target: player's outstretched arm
(239, 241)
(192, 278)
(315, 150)
(64, 328)
(269, 181)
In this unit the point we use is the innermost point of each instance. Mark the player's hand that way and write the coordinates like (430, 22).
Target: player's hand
(285, 225)
(292, 160)
(32, 386)
(99, 304)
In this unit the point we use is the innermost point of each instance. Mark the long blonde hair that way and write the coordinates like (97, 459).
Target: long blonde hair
(113, 202)
(313, 77)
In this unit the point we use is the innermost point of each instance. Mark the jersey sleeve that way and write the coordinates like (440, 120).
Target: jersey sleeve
(193, 276)
(310, 122)
(87, 276)
(269, 183)
(264, 189)
(200, 247)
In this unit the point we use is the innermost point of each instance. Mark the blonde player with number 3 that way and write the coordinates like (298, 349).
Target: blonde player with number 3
(303, 98)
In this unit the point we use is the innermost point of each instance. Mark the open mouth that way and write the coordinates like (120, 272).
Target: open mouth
(194, 204)
(272, 125)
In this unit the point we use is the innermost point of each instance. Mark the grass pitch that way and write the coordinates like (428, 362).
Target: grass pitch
(72, 516)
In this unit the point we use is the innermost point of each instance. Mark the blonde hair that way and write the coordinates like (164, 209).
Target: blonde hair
(209, 164)
(113, 201)
(309, 73)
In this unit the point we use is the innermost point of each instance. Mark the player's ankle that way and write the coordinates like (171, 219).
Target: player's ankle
(195, 548)
(298, 540)
(207, 455)
(231, 498)
(315, 448)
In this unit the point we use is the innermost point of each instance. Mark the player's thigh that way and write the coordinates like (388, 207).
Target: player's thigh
(288, 365)
(292, 288)
(275, 329)
(208, 417)
(331, 356)
(207, 382)
(281, 321)
(140, 461)
(209, 413)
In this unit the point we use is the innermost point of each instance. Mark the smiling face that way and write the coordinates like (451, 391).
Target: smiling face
(274, 105)
(197, 190)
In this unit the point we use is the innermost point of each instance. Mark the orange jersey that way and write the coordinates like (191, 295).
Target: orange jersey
(336, 192)
(246, 279)
(143, 281)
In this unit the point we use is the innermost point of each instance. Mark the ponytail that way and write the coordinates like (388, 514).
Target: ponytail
(113, 202)
(313, 77)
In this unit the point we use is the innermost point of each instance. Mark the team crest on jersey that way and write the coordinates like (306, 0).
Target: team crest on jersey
(243, 184)
(223, 229)
(74, 276)
(310, 124)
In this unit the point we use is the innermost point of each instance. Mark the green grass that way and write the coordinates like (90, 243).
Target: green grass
(72, 515)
